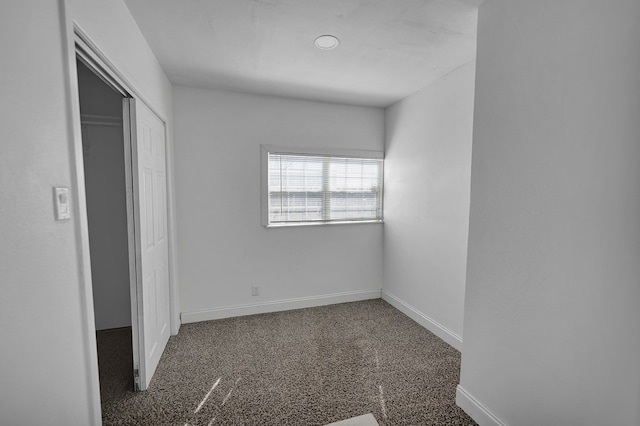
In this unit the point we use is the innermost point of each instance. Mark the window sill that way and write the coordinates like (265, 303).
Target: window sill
(320, 223)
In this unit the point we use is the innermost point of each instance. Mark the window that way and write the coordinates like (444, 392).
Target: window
(320, 187)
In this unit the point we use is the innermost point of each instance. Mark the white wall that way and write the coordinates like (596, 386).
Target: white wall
(47, 363)
(427, 182)
(40, 310)
(552, 309)
(223, 249)
(104, 172)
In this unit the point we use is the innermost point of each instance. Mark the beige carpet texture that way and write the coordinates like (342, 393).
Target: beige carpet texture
(303, 367)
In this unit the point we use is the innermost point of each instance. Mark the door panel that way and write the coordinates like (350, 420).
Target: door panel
(152, 285)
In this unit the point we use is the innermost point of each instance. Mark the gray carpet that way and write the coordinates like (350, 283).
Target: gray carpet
(304, 367)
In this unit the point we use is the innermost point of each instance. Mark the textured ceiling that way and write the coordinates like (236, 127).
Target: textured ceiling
(388, 48)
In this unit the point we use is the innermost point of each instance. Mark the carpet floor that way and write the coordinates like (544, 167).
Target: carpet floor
(303, 367)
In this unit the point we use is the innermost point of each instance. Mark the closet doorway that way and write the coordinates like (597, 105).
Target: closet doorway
(125, 180)
(103, 149)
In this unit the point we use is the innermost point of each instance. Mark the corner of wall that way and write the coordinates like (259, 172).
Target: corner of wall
(476, 409)
(424, 320)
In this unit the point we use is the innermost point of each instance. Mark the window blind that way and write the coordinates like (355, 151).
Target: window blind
(323, 189)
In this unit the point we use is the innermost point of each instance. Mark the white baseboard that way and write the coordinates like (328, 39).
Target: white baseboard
(429, 323)
(475, 409)
(278, 305)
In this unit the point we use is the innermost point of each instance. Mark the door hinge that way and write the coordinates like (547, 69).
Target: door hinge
(136, 379)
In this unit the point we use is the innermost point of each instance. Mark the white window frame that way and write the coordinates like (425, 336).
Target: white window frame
(328, 152)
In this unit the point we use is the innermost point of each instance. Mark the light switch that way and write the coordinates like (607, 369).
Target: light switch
(61, 195)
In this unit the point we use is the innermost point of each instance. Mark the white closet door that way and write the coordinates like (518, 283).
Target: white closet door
(149, 181)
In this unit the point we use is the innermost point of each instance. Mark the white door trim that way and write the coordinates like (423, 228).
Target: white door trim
(81, 223)
(72, 33)
(123, 85)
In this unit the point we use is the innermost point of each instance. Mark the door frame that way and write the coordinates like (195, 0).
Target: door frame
(74, 35)
(79, 35)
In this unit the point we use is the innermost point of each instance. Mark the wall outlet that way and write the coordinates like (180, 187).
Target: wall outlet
(255, 290)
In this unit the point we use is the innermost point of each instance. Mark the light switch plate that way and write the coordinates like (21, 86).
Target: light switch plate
(62, 205)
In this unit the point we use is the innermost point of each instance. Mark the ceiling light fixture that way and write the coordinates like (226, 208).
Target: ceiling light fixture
(327, 42)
